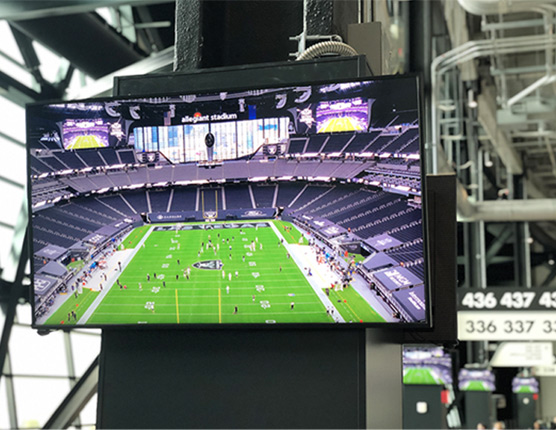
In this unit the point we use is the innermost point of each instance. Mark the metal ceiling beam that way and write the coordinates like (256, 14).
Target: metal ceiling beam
(487, 117)
(15, 289)
(151, 33)
(28, 53)
(6, 225)
(85, 40)
(160, 61)
(549, 278)
(76, 400)
(31, 9)
(514, 210)
(498, 243)
(16, 92)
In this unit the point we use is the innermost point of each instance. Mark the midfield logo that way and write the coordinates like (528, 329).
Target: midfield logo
(208, 265)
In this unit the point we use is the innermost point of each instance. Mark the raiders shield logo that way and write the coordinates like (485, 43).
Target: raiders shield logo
(208, 265)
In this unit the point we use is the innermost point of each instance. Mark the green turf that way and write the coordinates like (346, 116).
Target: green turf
(204, 299)
(420, 376)
(475, 386)
(289, 231)
(77, 265)
(79, 305)
(526, 389)
(85, 142)
(267, 283)
(135, 237)
(353, 307)
(357, 257)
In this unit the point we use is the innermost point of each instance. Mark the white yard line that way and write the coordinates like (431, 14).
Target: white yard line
(361, 286)
(358, 283)
(305, 258)
(113, 273)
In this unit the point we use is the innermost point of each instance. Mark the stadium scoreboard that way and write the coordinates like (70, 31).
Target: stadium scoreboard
(498, 313)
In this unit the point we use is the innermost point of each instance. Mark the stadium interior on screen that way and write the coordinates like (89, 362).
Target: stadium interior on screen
(284, 205)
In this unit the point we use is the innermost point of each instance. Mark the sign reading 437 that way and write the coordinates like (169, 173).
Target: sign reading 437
(498, 313)
(499, 298)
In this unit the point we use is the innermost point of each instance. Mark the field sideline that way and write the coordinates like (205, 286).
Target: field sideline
(236, 275)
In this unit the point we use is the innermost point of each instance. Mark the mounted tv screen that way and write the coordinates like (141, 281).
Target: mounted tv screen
(427, 366)
(297, 205)
(476, 380)
(521, 384)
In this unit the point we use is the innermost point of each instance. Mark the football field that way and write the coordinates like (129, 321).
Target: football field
(527, 389)
(474, 386)
(339, 124)
(236, 275)
(226, 273)
(421, 376)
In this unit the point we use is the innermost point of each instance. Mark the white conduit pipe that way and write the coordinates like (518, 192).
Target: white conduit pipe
(545, 80)
(328, 47)
(514, 210)
(495, 7)
(501, 211)
(469, 51)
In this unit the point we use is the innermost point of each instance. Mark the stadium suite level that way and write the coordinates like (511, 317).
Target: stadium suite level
(339, 164)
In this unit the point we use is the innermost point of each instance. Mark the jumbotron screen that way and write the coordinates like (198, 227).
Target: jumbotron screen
(343, 115)
(292, 205)
(82, 134)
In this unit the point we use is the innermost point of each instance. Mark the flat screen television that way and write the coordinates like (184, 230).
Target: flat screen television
(426, 366)
(521, 384)
(476, 380)
(285, 206)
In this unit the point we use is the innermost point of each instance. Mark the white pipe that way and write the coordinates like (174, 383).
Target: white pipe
(468, 51)
(545, 80)
(514, 210)
(501, 211)
(495, 7)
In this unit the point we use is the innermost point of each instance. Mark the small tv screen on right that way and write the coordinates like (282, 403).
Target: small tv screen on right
(476, 380)
(525, 385)
(426, 366)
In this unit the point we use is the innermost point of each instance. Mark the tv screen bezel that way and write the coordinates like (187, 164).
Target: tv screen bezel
(397, 326)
